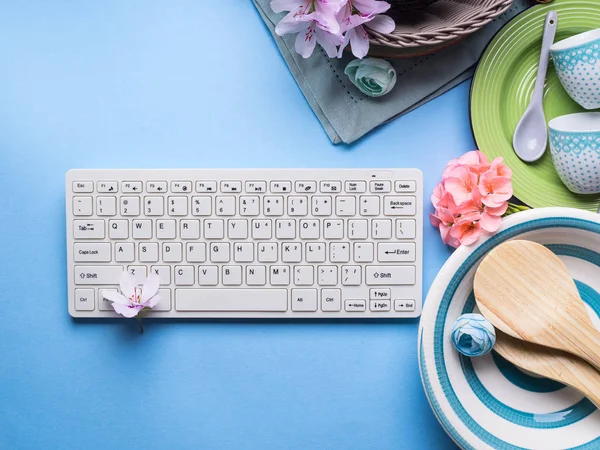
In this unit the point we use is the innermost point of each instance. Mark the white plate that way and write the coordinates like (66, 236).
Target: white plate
(487, 402)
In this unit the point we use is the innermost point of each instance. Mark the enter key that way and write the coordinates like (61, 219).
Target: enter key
(396, 252)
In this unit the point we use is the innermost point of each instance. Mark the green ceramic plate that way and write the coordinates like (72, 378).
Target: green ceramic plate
(502, 88)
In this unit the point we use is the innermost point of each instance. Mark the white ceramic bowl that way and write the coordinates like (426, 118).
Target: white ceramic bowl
(486, 402)
(577, 63)
(575, 147)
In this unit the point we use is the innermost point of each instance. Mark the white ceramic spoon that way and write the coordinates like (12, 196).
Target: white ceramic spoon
(531, 136)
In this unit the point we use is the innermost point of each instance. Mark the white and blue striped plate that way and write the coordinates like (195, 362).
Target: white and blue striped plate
(487, 402)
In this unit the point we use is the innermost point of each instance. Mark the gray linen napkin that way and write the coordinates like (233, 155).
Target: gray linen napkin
(345, 113)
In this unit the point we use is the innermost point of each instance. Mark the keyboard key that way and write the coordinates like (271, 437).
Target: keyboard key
(256, 275)
(351, 275)
(297, 206)
(148, 252)
(327, 275)
(249, 206)
(331, 300)
(83, 206)
(165, 301)
(220, 252)
(88, 229)
(141, 229)
(396, 252)
(201, 205)
(358, 229)
(399, 206)
(196, 252)
(83, 187)
(206, 186)
(208, 275)
(321, 205)
(380, 294)
(106, 206)
(172, 252)
(315, 252)
(363, 252)
(380, 305)
(118, 229)
(92, 252)
(406, 229)
(339, 252)
(138, 272)
(107, 186)
(345, 206)
(231, 186)
(237, 229)
(125, 252)
(230, 300)
(225, 206)
(405, 186)
(130, 206)
(273, 206)
(177, 206)
(85, 299)
(189, 229)
(331, 186)
(131, 186)
(280, 275)
(164, 272)
(267, 252)
(98, 275)
(356, 187)
(105, 304)
(333, 229)
(381, 229)
(278, 187)
(310, 229)
(214, 229)
(390, 275)
(184, 275)
(355, 305)
(181, 186)
(156, 187)
(404, 305)
(305, 186)
(232, 275)
(369, 205)
(165, 229)
(304, 300)
(258, 187)
(291, 252)
(304, 275)
(285, 229)
(243, 252)
(378, 186)
(154, 206)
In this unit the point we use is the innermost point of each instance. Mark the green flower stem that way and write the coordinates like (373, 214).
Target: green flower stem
(514, 208)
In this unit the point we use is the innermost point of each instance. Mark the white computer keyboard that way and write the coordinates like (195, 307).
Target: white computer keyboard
(249, 243)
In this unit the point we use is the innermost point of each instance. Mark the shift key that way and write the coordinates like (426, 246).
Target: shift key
(390, 275)
(98, 274)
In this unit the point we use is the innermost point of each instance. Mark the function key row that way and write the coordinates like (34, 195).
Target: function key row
(257, 187)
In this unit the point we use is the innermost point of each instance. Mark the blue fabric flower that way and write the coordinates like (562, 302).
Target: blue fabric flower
(372, 76)
(473, 335)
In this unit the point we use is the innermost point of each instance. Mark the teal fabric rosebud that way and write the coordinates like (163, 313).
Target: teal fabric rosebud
(372, 76)
(473, 335)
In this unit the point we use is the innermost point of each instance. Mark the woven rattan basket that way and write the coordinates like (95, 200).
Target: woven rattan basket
(433, 25)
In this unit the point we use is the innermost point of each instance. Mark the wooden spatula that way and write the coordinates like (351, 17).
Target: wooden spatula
(525, 290)
(550, 363)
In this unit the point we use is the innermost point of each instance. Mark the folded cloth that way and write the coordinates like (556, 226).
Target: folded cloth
(347, 114)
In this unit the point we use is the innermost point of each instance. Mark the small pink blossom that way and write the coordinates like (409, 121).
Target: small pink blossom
(133, 299)
(471, 198)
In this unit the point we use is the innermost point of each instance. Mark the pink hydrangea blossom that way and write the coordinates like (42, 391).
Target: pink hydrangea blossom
(471, 198)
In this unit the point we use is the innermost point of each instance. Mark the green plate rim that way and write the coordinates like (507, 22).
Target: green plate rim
(587, 202)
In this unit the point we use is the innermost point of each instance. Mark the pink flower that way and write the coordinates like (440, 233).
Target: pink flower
(314, 21)
(466, 232)
(356, 13)
(461, 183)
(133, 299)
(471, 198)
(495, 190)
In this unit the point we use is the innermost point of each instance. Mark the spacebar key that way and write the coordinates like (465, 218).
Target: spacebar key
(231, 299)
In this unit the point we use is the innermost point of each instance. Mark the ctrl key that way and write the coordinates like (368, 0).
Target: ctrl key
(84, 299)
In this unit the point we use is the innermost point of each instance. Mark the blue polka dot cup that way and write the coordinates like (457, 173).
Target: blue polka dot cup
(575, 148)
(577, 64)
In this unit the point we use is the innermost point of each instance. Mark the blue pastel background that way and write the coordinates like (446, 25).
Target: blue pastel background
(156, 83)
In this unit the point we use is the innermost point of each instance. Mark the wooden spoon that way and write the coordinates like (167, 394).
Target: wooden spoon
(525, 290)
(549, 363)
